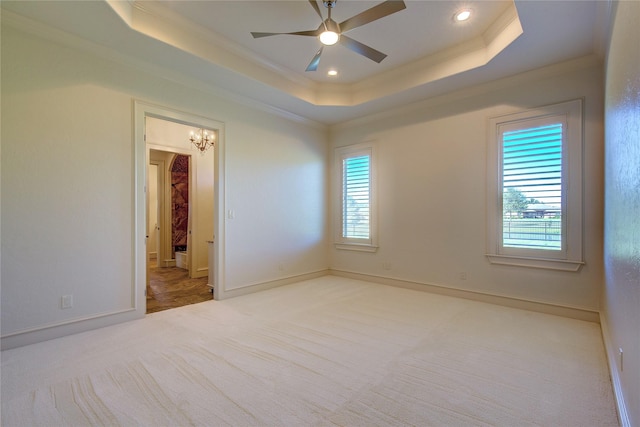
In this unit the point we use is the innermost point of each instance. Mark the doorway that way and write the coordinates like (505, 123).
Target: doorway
(167, 131)
(172, 280)
(170, 210)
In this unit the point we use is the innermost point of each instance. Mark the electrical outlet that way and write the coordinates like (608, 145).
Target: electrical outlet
(386, 266)
(463, 275)
(66, 301)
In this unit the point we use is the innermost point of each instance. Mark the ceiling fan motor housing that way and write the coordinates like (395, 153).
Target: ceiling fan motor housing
(330, 25)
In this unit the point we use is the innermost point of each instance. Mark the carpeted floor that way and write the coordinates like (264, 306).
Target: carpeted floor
(325, 352)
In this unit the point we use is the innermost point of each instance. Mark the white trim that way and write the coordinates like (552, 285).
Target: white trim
(161, 257)
(570, 257)
(586, 314)
(433, 105)
(67, 327)
(355, 247)
(368, 148)
(48, 32)
(156, 21)
(262, 286)
(618, 394)
(546, 263)
(141, 110)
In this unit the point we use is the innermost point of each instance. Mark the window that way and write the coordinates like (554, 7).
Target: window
(532, 187)
(356, 197)
(535, 188)
(355, 215)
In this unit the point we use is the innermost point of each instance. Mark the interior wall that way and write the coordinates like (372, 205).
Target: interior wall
(431, 190)
(277, 223)
(66, 192)
(621, 301)
(67, 186)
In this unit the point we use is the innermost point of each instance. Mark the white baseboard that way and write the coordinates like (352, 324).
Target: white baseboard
(612, 361)
(201, 272)
(249, 289)
(541, 307)
(169, 263)
(74, 326)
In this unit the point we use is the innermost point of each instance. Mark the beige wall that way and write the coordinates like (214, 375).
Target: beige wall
(68, 180)
(432, 175)
(621, 301)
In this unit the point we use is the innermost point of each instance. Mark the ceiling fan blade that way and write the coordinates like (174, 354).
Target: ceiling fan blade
(315, 6)
(370, 15)
(313, 65)
(314, 33)
(362, 49)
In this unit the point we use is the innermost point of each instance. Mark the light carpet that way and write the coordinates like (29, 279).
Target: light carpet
(325, 352)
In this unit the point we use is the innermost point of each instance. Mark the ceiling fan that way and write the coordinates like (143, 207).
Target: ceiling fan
(330, 32)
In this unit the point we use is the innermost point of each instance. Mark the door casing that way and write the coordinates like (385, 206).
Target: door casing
(142, 110)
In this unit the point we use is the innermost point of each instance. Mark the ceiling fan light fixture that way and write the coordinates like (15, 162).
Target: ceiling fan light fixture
(329, 38)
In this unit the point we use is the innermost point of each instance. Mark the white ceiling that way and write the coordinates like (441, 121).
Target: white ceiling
(208, 44)
(405, 36)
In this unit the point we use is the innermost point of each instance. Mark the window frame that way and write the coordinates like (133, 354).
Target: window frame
(570, 256)
(347, 243)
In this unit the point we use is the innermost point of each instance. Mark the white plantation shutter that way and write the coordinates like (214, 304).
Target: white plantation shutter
(355, 207)
(534, 188)
(532, 167)
(532, 163)
(356, 197)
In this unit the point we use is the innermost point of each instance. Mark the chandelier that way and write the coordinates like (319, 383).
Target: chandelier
(202, 139)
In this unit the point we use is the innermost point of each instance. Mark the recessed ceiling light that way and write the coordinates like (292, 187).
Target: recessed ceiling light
(332, 73)
(462, 15)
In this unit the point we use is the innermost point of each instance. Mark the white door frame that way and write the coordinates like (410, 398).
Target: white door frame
(160, 165)
(140, 155)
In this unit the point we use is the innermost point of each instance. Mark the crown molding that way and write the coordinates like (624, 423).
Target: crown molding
(465, 56)
(63, 38)
(161, 23)
(585, 62)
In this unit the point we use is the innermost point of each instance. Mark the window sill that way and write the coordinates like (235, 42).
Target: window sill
(548, 264)
(356, 247)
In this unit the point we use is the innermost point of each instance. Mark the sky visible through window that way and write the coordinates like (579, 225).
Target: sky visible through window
(532, 187)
